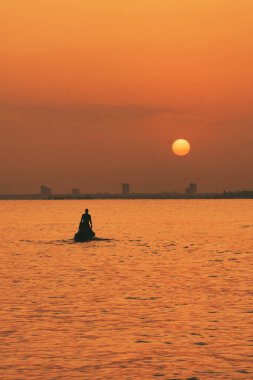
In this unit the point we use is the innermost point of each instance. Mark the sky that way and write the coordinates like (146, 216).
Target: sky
(94, 92)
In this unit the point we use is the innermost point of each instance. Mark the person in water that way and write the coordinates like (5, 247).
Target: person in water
(85, 227)
(86, 219)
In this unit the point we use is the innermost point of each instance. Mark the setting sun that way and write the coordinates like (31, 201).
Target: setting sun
(181, 147)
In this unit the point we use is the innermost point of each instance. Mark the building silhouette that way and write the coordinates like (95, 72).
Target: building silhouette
(45, 192)
(191, 189)
(125, 188)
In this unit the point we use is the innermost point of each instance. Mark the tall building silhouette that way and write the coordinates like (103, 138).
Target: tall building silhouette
(125, 188)
(45, 192)
(191, 189)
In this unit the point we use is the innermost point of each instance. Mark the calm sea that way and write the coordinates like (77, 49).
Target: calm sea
(164, 293)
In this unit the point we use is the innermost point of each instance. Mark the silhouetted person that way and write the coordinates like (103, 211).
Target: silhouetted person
(86, 219)
(85, 228)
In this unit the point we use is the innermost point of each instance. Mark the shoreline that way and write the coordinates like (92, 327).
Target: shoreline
(228, 195)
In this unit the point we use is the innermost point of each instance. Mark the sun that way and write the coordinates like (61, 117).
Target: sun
(181, 147)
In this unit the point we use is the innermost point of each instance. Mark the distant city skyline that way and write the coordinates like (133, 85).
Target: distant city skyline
(123, 188)
(191, 191)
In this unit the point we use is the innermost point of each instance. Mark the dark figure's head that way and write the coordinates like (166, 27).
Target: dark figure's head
(86, 211)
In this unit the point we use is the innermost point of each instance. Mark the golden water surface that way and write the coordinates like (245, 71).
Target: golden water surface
(165, 293)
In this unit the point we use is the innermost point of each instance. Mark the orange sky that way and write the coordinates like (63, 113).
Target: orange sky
(93, 93)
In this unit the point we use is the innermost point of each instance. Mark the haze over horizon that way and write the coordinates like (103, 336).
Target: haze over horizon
(93, 94)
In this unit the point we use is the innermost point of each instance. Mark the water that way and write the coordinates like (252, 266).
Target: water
(165, 293)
